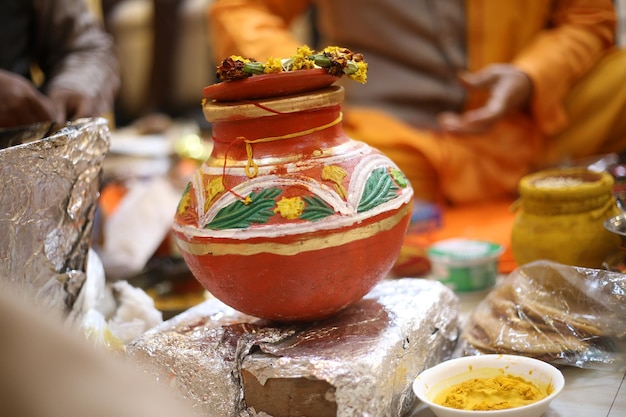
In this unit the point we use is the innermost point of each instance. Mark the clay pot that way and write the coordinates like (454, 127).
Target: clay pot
(561, 217)
(289, 219)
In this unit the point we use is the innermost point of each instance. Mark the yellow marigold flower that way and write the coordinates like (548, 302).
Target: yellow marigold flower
(361, 73)
(239, 58)
(301, 58)
(290, 208)
(273, 65)
(333, 50)
(213, 188)
(304, 51)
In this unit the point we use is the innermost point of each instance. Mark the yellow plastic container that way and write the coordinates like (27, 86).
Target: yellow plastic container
(561, 214)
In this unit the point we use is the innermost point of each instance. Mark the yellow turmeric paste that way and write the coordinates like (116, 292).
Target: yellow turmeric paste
(494, 393)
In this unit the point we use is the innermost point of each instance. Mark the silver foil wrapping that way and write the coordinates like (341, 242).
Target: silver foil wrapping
(48, 196)
(368, 355)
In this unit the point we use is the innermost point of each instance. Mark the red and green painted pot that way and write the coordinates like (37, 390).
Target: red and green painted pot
(289, 219)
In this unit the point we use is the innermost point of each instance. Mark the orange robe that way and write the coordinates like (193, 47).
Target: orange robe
(578, 106)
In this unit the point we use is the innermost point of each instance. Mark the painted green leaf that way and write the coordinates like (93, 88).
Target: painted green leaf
(316, 209)
(238, 215)
(399, 177)
(379, 189)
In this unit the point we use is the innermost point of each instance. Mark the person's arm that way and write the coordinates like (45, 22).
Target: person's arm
(509, 90)
(254, 29)
(582, 32)
(567, 42)
(77, 57)
(50, 369)
(21, 103)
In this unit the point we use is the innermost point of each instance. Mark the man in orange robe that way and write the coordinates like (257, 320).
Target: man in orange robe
(465, 96)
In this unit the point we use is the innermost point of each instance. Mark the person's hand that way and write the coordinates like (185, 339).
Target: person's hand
(508, 89)
(21, 103)
(74, 105)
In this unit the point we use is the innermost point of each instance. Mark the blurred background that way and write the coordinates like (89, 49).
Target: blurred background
(166, 55)
(165, 45)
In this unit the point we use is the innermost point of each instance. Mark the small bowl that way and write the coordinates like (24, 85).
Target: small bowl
(431, 381)
(617, 225)
(465, 264)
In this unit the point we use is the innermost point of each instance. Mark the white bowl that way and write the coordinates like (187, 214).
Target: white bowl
(431, 381)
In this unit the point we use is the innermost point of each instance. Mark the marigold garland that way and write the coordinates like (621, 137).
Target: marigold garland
(335, 60)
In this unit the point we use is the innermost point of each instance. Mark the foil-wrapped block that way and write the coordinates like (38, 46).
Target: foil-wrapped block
(48, 196)
(361, 362)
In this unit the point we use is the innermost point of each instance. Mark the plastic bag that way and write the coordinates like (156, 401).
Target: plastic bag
(561, 314)
(110, 315)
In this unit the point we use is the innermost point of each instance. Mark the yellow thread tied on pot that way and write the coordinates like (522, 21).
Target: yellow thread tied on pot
(252, 169)
(255, 168)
